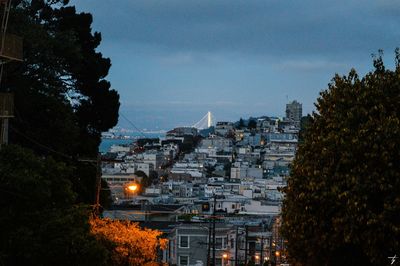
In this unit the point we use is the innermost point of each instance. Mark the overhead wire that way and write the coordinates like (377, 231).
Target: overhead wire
(40, 144)
(132, 124)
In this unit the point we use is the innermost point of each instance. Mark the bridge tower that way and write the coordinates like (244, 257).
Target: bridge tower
(205, 122)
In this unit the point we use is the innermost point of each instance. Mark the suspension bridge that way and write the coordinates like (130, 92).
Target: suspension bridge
(205, 122)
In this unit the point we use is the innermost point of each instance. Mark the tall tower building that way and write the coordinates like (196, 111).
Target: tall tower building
(294, 111)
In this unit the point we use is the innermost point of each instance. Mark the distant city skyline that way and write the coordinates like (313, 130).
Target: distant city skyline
(172, 61)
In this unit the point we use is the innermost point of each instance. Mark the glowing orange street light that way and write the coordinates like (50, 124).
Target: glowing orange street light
(132, 187)
(225, 256)
(257, 257)
(277, 253)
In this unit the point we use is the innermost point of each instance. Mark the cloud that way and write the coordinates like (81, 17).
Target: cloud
(177, 59)
(186, 103)
(307, 65)
(266, 28)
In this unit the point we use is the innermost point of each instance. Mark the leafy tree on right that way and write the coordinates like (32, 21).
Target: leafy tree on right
(342, 204)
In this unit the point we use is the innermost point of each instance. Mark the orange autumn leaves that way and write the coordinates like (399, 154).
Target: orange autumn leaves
(128, 244)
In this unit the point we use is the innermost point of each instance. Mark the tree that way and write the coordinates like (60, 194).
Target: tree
(241, 124)
(62, 99)
(304, 123)
(40, 224)
(342, 204)
(127, 243)
(62, 104)
(153, 176)
(140, 173)
(209, 169)
(145, 181)
(252, 124)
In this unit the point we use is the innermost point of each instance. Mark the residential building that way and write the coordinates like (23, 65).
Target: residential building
(294, 111)
(189, 244)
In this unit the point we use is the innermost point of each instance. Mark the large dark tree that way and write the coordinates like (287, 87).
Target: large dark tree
(39, 224)
(62, 104)
(342, 204)
(62, 101)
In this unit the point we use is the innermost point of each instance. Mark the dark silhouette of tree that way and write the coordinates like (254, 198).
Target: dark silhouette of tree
(342, 198)
(241, 124)
(40, 224)
(62, 104)
(252, 124)
(62, 100)
(304, 124)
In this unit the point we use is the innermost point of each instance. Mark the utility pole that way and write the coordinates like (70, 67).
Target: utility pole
(98, 184)
(245, 248)
(270, 250)
(4, 132)
(97, 187)
(209, 243)
(214, 208)
(6, 112)
(262, 251)
(236, 246)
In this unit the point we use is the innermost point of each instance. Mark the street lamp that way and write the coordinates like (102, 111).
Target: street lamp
(133, 187)
(224, 258)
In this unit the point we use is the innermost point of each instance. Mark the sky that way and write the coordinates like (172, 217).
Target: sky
(175, 60)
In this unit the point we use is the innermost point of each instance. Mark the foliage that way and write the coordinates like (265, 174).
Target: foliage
(189, 143)
(62, 104)
(252, 124)
(144, 181)
(150, 141)
(240, 125)
(140, 173)
(62, 100)
(39, 224)
(153, 176)
(304, 124)
(209, 169)
(127, 243)
(342, 201)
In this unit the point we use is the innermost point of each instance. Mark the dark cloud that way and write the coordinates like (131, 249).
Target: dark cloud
(272, 28)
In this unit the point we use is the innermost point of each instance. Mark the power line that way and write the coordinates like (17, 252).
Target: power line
(130, 122)
(90, 161)
(40, 144)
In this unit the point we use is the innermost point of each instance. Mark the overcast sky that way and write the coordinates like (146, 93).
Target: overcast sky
(172, 61)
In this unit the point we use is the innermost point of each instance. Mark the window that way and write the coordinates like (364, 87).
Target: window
(218, 262)
(220, 242)
(183, 260)
(184, 241)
